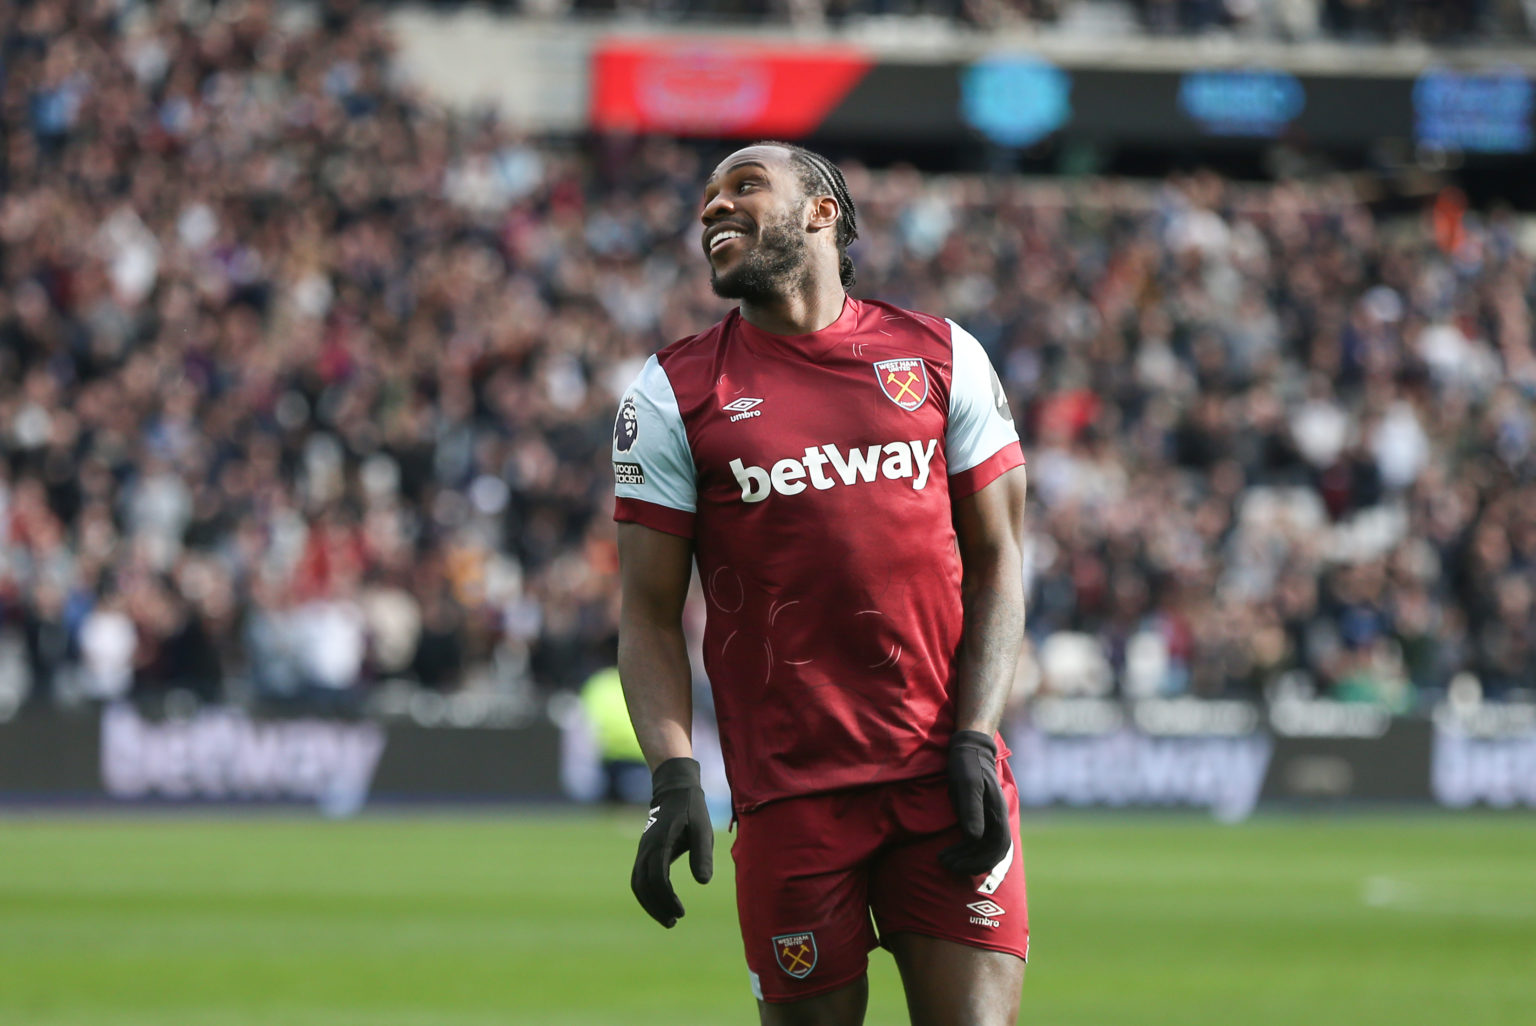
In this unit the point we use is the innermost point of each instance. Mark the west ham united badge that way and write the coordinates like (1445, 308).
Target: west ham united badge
(627, 428)
(796, 953)
(904, 382)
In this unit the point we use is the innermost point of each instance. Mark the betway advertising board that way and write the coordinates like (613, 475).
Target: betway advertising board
(225, 755)
(1231, 757)
(1485, 756)
(1224, 757)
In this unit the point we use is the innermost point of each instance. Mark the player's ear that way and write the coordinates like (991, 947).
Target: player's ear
(824, 213)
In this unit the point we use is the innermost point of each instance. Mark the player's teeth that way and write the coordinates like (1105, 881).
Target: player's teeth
(722, 237)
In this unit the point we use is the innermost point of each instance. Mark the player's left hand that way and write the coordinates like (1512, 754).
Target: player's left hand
(679, 822)
(979, 804)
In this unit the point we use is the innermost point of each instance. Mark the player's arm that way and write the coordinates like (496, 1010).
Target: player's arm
(654, 569)
(989, 525)
(654, 501)
(986, 486)
(653, 665)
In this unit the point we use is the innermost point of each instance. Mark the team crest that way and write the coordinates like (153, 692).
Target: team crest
(904, 382)
(796, 953)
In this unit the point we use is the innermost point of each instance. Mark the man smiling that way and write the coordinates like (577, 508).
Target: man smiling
(849, 480)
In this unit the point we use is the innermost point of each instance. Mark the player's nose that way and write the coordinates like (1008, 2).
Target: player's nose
(716, 208)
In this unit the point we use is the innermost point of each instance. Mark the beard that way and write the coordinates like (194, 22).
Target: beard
(768, 271)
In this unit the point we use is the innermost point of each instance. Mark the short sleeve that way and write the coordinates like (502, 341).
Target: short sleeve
(980, 440)
(652, 464)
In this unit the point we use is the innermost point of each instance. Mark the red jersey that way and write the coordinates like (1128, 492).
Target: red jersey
(814, 474)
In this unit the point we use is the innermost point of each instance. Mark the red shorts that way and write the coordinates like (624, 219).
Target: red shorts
(810, 871)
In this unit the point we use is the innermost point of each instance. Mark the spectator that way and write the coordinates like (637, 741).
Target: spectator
(306, 382)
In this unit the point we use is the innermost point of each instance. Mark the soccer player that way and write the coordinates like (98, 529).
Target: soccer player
(849, 480)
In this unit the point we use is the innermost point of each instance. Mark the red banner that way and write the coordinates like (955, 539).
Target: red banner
(719, 88)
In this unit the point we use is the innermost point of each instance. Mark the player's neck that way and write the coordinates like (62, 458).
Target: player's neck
(818, 303)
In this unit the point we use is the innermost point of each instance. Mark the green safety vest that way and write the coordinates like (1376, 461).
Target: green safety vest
(602, 696)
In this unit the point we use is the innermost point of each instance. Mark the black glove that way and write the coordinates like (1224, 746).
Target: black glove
(679, 822)
(978, 799)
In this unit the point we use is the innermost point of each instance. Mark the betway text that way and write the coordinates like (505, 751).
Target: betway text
(827, 466)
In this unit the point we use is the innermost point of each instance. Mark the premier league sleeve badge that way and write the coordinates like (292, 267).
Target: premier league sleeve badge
(627, 427)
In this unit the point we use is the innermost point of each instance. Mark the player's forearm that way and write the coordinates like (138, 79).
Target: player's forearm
(993, 634)
(653, 665)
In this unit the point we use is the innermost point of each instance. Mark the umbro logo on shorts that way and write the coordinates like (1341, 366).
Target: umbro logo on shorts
(986, 913)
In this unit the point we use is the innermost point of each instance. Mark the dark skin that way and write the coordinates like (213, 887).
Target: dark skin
(654, 569)
(947, 984)
(755, 187)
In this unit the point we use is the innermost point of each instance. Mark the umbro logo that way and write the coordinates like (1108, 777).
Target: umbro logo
(743, 408)
(986, 913)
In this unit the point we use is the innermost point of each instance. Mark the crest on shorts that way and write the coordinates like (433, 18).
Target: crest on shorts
(796, 953)
(904, 381)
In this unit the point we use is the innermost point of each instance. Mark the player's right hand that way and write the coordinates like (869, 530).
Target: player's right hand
(678, 822)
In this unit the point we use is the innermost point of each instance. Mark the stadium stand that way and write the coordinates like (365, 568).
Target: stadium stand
(1437, 21)
(306, 384)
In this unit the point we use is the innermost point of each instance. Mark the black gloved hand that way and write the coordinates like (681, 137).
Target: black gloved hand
(679, 822)
(978, 799)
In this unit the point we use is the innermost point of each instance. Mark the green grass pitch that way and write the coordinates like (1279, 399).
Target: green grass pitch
(526, 918)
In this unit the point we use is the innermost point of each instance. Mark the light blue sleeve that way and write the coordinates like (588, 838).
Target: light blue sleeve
(651, 458)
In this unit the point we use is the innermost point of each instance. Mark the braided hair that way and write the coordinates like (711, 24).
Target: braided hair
(820, 177)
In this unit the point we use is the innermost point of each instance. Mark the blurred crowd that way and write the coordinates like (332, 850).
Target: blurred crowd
(1277, 445)
(306, 385)
(1438, 21)
(278, 415)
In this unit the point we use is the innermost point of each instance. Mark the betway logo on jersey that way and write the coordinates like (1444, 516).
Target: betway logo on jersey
(824, 466)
